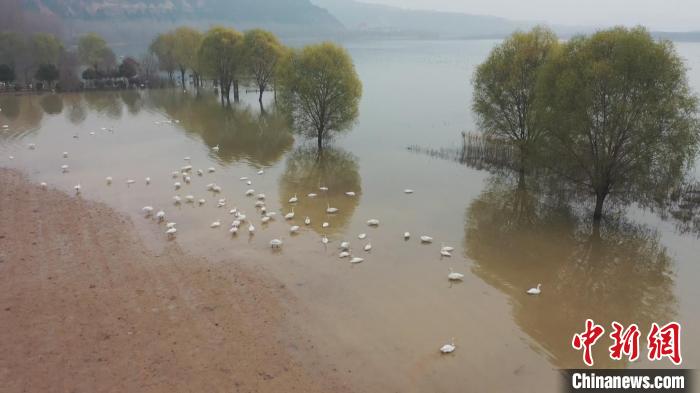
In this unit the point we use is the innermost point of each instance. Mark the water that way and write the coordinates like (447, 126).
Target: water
(380, 323)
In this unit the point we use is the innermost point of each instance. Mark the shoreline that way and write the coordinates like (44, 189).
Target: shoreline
(87, 307)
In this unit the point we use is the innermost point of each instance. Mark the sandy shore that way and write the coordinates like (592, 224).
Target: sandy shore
(86, 307)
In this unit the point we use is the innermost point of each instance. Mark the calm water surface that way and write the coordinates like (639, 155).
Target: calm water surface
(382, 321)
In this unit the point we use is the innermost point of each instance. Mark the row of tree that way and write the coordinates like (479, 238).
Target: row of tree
(318, 84)
(610, 113)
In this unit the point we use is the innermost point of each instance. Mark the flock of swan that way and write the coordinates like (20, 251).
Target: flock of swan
(240, 218)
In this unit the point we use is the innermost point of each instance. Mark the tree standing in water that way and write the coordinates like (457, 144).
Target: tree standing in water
(505, 88)
(220, 57)
(187, 42)
(262, 51)
(320, 89)
(619, 116)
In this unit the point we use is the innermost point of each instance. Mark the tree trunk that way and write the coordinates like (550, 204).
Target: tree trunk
(235, 91)
(599, 200)
(320, 141)
(182, 77)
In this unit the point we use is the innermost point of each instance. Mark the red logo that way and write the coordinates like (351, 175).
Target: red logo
(586, 339)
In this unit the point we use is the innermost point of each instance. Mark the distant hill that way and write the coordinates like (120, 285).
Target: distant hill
(380, 19)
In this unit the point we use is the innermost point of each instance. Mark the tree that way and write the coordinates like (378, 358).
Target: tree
(220, 56)
(187, 42)
(129, 68)
(262, 50)
(320, 90)
(163, 46)
(47, 73)
(46, 48)
(94, 52)
(619, 115)
(505, 88)
(149, 67)
(12, 47)
(7, 74)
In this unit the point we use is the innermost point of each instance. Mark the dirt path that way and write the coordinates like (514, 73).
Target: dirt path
(85, 307)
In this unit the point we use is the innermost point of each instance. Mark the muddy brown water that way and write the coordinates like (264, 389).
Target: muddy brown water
(380, 322)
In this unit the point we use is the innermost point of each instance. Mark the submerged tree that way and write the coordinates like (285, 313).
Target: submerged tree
(220, 57)
(187, 42)
(163, 46)
(320, 89)
(262, 51)
(505, 87)
(47, 73)
(94, 52)
(619, 115)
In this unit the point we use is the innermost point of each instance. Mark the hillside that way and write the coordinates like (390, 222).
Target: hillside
(381, 19)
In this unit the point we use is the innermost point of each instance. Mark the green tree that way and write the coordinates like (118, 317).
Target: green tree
(128, 68)
(94, 52)
(220, 57)
(505, 88)
(7, 73)
(47, 73)
(262, 51)
(163, 46)
(187, 42)
(619, 115)
(46, 49)
(320, 89)
(12, 47)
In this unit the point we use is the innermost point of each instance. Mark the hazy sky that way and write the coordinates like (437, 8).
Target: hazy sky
(655, 14)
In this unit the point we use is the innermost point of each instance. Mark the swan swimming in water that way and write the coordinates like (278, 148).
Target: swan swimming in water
(275, 243)
(535, 291)
(449, 348)
(426, 239)
(453, 276)
(307, 220)
(373, 222)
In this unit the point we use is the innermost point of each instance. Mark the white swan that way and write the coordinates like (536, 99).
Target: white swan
(331, 210)
(312, 195)
(294, 229)
(64, 168)
(130, 182)
(201, 201)
(345, 246)
(362, 236)
(445, 253)
(449, 348)
(177, 185)
(233, 230)
(426, 239)
(249, 182)
(189, 198)
(325, 225)
(443, 247)
(171, 232)
(215, 149)
(373, 222)
(343, 254)
(275, 243)
(170, 225)
(260, 172)
(108, 179)
(324, 239)
(65, 154)
(250, 192)
(147, 210)
(293, 199)
(148, 180)
(535, 291)
(350, 193)
(211, 169)
(43, 185)
(77, 188)
(289, 215)
(265, 219)
(406, 235)
(160, 216)
(251, 229)
(307, 220)
(260, 197)
(323, 188)
(177, 199)
(408, 191)
(368, 247)
(215, 224)
(356, 260)
(453, 276)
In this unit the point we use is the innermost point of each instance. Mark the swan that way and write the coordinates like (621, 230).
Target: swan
(108, 179)
(312, 195)
(449, 348)
(406, 235)
(211, 169)
(373, 222)
(265, 219)
(147, 210)
(443, 247)
(200, 172)
(160, 216)
(445, 253)
(323, 188)
(215, 224)
(263, 209)
(236, 223)
(249, 182)
(11, 157)
(535, 291)
(343, 254)
(187, 179)
(275, 243)
(187, 158)
(244, 178)
(148, 180)
(177, 199)
(325, 225)
(293, 199)
(216, 189)
(331, 210)
(65, 154)
(453, 276)
(362, 236)
(356, 260)
(171, 232)
(408, 191)
(289, 215)
(324, 239)
(259, 204)
(294, 229)
(175, 174)
(260, 172)
(170, 225)
(177, 185)
(233, 230)
(43, 185)
(186, 168)
(189, 198)
(260, 196)
(201, 201)
(64, 168)
(307, 220)
(251, 229)
(233, 211)
(221, 203)
(426, 239)
(368, 247)
(130, 182)
(215, 149)
(250, 192)
(241, 217)
(345, 245)
(77, 188)
(350, 193)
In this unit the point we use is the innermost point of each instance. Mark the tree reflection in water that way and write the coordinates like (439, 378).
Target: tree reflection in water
(619, 271)
(307, 170)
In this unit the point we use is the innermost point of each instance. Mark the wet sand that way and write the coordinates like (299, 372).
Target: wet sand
(86, 306)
